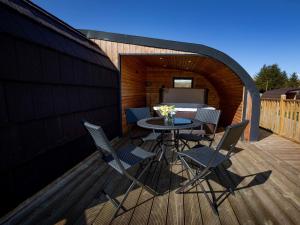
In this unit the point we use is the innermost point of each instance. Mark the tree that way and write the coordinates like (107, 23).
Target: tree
(270, 77)
(293, 81)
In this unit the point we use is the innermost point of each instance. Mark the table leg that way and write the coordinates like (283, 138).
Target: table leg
(163, 149)
(176, 140)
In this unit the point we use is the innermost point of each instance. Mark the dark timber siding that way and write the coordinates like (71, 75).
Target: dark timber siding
(48, 83)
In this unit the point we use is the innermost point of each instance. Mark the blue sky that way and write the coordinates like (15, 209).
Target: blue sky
(252, 32)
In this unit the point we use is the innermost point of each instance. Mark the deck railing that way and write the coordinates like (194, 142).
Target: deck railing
(281, 116)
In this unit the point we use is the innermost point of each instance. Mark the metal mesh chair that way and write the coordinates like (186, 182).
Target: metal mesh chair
(121, 160)
(133, 115)
(207, 159)
(208, 117)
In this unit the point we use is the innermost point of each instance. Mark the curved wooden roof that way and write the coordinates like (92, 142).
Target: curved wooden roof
(220, 64)
(224, 80)
(178, 46)
(216, 72)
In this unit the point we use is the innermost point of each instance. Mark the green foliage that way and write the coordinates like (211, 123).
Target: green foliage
(272, 77)
(293, 81)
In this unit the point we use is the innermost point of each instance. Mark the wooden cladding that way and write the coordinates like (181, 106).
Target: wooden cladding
(133, 88)
(158, 77)
(113, 49)
(282, 117)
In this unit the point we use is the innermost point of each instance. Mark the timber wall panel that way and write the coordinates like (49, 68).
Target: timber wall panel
(113, 49)
(158, 77)
(133, 89)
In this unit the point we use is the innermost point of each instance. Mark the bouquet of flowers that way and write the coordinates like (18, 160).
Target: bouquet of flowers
(165, 110)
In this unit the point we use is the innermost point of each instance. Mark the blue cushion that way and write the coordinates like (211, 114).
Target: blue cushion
(135, 114)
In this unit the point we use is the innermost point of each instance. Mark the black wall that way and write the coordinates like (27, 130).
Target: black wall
(46, 87)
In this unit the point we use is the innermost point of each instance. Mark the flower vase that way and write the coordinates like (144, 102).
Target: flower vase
(166, 120)
(169, 119)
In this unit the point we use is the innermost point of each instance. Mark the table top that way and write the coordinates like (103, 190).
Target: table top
(185, 107)
(158, 123)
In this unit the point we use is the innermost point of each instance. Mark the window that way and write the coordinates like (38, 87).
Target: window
(182, 82)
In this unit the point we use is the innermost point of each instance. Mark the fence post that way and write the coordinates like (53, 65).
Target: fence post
(282, 111)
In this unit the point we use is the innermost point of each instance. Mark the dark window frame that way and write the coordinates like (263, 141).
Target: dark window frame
(183, 78)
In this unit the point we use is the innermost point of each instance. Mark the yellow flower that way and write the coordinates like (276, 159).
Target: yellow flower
(166, 109)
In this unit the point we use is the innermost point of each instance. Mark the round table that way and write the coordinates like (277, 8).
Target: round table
(159, 124)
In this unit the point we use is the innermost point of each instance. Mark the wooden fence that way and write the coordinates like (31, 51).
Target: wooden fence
(281, 116)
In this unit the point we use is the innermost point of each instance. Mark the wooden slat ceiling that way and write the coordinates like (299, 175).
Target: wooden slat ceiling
(217, 73)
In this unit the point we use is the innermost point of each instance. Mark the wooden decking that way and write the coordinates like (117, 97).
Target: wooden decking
(281, 148)
(266, 192)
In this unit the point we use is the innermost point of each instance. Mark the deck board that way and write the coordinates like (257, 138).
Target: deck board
(140, 215)
(175, 204)
(192, 213)
(266, 187)
(284, 150)
(158, 213)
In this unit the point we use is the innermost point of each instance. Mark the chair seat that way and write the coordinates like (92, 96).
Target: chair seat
(203, 155)
(129, 156)
(195, 135)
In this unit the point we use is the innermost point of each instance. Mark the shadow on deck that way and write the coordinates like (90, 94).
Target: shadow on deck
(266, 190)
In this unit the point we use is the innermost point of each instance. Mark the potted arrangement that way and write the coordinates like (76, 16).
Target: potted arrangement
(168, 112)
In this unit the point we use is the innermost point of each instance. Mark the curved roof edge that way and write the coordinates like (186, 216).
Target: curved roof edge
(178, 46)
(194, 48)
(37, 14)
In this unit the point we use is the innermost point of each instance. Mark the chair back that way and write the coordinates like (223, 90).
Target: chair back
(99, 137)
(210, 116)
(228, 141)
(133, 115)
(231, 136)
(102, 143)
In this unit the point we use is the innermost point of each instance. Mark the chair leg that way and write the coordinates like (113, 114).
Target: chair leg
(141, 141)
(196, 179)
(120, 205)
(165, 158)
(141, 184)
(186, 166)
(224, 180)
(163, 152)
(212, 204)
(230, 188)
(153, 148)
(184, 144)
(211, 143)
(135, 181)
(113, 201)
(187, 184)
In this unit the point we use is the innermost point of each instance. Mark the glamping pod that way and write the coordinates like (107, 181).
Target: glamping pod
(51, 77)
(148, 65)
